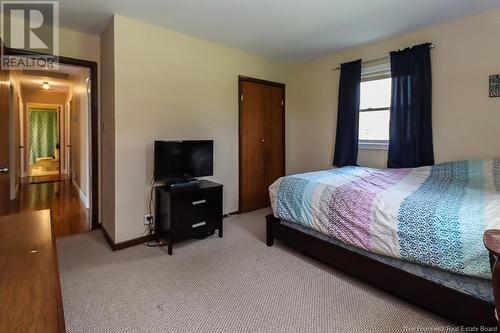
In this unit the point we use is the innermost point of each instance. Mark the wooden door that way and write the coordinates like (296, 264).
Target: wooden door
(262, 159)
(4, 143)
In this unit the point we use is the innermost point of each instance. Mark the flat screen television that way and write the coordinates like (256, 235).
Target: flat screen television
(183, 160)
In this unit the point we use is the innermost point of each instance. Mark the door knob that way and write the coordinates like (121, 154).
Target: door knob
(4, 170)
(263, 140)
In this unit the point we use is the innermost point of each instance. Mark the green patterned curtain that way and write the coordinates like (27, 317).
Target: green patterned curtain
(43, 134)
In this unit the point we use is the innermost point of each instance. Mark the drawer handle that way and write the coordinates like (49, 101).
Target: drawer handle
(199, 202)
(197, 225)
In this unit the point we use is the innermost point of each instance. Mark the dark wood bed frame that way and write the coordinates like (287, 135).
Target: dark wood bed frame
(439, 299)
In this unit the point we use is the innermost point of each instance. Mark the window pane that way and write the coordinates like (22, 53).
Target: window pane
(376, 94)
(374, 125)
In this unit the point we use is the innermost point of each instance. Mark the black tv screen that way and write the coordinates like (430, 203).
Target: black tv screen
(183, 159)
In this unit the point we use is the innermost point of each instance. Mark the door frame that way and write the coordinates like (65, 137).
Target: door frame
(94, 126)
(13, 182)
(241, 80)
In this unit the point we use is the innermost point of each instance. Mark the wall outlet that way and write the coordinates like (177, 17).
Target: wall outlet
(148, 219)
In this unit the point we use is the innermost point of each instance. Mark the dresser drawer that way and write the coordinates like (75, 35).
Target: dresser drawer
(189, 226)
(199, 204)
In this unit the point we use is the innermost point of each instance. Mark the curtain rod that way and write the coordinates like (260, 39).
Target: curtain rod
(431, 46)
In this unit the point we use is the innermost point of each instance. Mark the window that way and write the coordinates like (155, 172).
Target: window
(375, 106)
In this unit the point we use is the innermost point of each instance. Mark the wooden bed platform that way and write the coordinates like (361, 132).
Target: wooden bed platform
(449, 303)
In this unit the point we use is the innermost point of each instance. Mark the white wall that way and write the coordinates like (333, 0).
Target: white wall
(80, 135)
(108, 129)
(465, 119)
(173, 86)
(78, 45)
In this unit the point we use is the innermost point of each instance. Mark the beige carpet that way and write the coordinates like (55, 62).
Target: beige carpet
(234, 284)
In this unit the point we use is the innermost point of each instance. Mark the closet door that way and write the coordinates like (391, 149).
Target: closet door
(261, 141)
(274, 136)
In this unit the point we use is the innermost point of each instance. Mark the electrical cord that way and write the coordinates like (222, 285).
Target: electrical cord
(151, 226)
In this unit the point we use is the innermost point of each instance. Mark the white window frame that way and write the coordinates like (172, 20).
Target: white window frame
(370, 73)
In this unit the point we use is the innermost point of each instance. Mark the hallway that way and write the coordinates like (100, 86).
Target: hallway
(47, 151)
(69, 215)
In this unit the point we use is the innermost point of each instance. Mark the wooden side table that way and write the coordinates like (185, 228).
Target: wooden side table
(491, 240)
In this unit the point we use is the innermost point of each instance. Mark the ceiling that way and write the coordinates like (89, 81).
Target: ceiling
(287, 30)
(60, 80)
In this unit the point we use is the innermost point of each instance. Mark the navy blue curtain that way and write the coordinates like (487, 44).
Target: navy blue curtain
(346, 140)
(410, 129)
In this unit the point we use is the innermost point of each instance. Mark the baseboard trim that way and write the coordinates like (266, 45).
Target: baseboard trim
(108, 238)
(83, 197)
(132, 242)
(123, 245)
(229, 214)
(135, 241)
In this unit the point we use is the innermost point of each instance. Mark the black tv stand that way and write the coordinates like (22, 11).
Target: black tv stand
(188, 212)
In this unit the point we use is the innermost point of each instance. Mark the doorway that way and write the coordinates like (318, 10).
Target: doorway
(43, 130)
(261, 140)
(89, 102)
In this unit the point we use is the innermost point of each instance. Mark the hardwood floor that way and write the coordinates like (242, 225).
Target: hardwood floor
(44, 179)
(69, 215)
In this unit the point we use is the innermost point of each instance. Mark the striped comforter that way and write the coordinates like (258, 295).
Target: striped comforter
(433, 216)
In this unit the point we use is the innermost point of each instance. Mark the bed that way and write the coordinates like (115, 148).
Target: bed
(416, 232)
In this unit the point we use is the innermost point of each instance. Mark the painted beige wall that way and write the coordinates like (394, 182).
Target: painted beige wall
(465, 120)
(43, 97)
(79, 45)
(84, 46)
(108, 129)
(79, 131)
(174, 87)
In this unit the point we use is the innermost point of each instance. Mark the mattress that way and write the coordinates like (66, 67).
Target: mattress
(432, 216)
